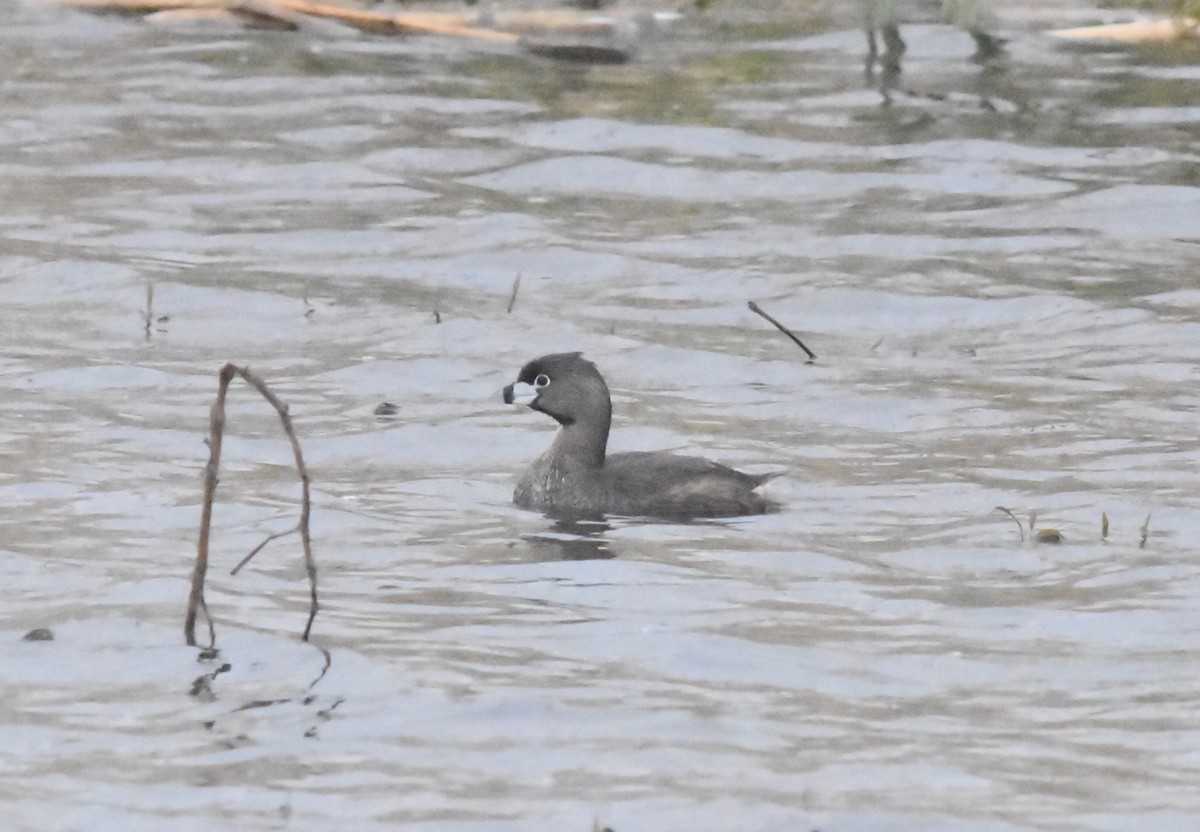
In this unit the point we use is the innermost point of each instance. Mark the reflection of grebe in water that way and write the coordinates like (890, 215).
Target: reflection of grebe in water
(571, 540)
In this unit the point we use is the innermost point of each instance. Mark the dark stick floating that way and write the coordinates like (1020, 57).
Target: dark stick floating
(754, 307)
(576, 478)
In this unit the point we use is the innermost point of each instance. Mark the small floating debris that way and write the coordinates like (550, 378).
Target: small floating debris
(1052, 536)
(39, 634)
(1048, 536)
(386, 409)
(1161, 30)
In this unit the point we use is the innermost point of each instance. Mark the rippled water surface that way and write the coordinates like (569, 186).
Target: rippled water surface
(997, 265)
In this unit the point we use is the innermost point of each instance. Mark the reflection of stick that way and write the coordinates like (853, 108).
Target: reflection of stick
(754, 307)
(216, 433)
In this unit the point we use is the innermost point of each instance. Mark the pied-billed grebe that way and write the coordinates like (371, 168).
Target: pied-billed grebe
(575, 477)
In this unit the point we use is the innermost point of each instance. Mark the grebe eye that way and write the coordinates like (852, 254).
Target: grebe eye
(541, 381)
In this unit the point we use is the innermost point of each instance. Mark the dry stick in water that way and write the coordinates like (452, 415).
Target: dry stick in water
(216, 433)
(451, 24)
(454, 25)
(754, 307)
(148, 315)
(512, 300)
(1020, 528)
(216, 421)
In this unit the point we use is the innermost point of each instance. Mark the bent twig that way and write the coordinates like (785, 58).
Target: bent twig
(196, 601)
(754, 307)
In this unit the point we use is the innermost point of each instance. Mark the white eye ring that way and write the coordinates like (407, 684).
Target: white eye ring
(541, 381)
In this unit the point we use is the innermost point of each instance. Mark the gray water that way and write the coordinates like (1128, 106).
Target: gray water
(997, 266)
